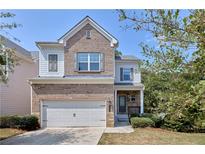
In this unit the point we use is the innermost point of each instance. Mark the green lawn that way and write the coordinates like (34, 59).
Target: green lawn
(152, 136)
(8, 132)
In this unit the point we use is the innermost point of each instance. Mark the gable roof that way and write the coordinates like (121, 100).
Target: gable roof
(43, 43)
(81, 24)
(19, 51)
(126, 58)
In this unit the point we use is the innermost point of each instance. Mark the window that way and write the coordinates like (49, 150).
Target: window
(94, 61)
(88, 34)
(53, 62)
(126, 74)
(88, 61)
(83, 61)
(133, 98)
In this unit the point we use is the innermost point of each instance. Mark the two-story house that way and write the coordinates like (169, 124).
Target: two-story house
(82, 83)
(15, 95)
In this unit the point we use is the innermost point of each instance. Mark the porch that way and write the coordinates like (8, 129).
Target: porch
(128, 100)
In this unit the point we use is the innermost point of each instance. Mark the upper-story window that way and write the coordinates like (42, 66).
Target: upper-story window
(126, 74)
(89, 61)
(53, 63)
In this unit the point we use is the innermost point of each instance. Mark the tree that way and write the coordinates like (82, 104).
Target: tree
(173, 70)
(118, 53)
(8, 60)
(176, 34)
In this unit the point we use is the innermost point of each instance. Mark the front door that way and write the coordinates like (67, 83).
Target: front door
(122, 108)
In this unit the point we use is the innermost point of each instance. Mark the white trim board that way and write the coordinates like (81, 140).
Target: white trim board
(71, 81)
(81, 24)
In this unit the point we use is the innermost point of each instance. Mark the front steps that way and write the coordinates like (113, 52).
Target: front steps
(122, 119)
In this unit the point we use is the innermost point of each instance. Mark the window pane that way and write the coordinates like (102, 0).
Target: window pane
(94, 66)
(83, 66)
(133, 98)
(122, 104)
(127, 77)
(127, 73)
(82, 57)
(94, 57)
(53, 66)
(88, 61)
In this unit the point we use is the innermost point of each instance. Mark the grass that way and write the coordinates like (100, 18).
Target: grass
(153, 136)
(9, 132)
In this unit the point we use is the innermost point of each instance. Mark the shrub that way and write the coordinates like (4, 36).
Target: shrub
(157, 118)
(141, 122)
(180, 125)
(147, 115)
(133, 115)
(29, 123)
(22, 122)
(9, 121)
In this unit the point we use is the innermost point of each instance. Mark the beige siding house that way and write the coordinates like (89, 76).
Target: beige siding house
(15, 96)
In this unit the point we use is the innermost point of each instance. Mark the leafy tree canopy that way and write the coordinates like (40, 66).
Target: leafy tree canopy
(174, 70)
(8, 60)
(118, 53)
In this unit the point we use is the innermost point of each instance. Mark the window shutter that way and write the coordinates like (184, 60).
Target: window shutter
(121, 74)
(102, 59)
(132, 74)
(76, 62)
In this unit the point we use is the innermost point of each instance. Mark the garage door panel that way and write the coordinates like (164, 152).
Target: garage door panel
(74, 114)
(74, 104)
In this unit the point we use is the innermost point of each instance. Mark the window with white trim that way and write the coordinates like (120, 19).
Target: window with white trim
(88, 62)
(126, 74)
(53, 63)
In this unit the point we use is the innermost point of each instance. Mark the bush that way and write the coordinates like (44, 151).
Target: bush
(147, 115)
(22, 122)
(200, 126)
(29, 123)
(9, 121)
(133, 115)
(141, 122)
(180, 125)
(157, 118)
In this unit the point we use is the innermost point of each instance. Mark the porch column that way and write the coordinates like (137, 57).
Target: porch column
(141, 101)
(115, 103)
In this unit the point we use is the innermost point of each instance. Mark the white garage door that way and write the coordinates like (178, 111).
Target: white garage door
(73, 114)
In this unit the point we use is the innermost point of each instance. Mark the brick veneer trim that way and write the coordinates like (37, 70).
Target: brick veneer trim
(66, 92)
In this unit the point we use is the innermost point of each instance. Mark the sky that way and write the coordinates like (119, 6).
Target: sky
(49, 25)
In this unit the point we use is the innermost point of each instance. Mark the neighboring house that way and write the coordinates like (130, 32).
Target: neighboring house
(15, 95)
(82, 83)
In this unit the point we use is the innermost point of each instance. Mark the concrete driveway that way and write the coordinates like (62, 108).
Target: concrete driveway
(57, 136)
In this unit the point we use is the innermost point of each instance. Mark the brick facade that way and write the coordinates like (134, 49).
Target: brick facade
(63, 92)
(97, 43)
